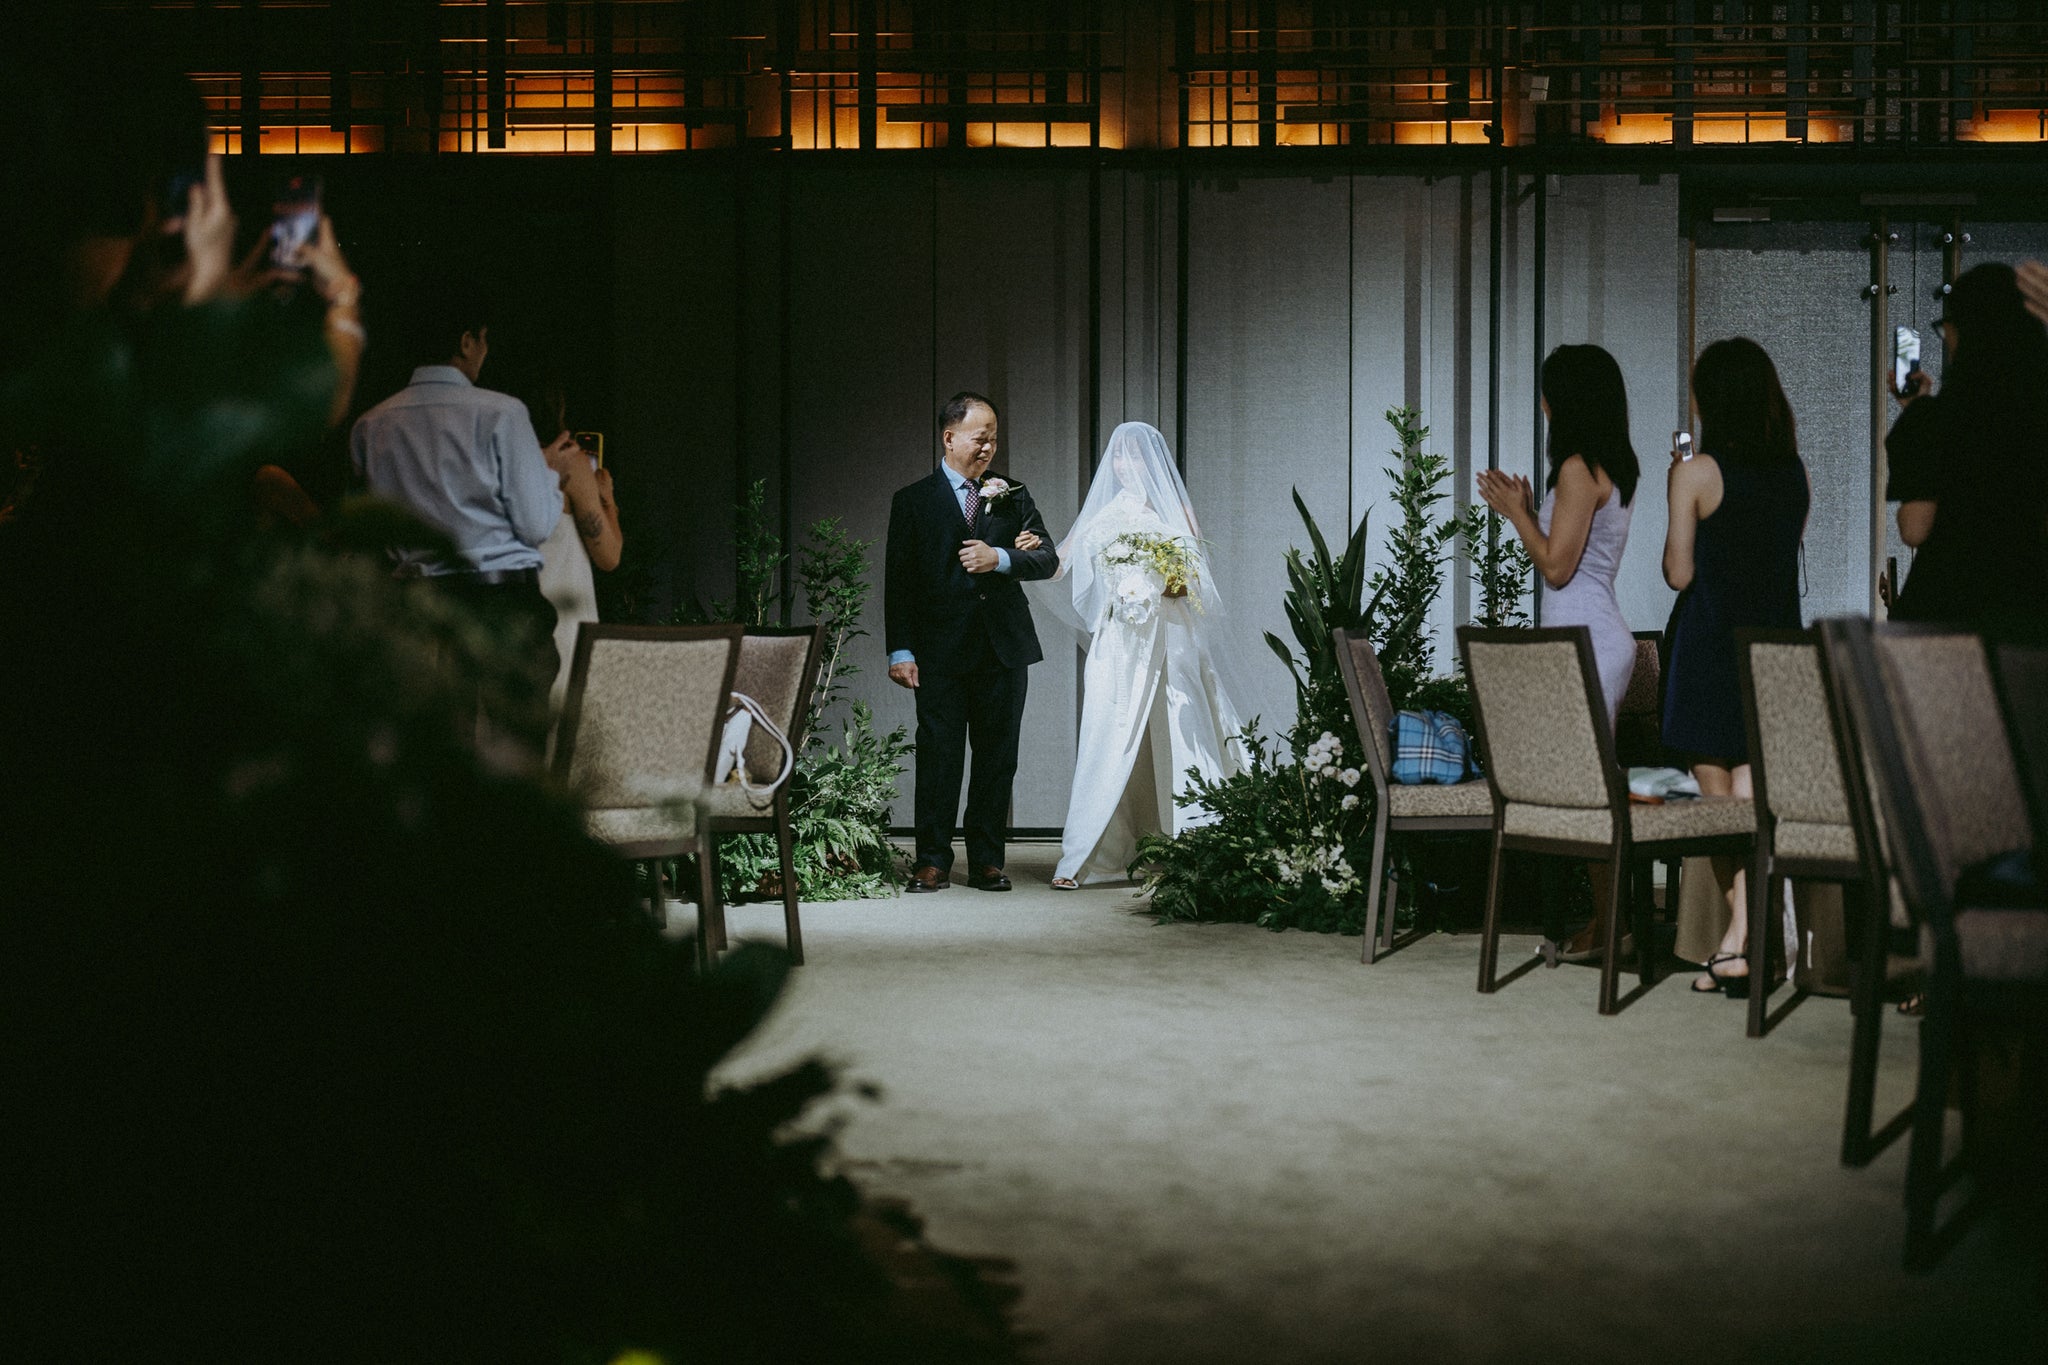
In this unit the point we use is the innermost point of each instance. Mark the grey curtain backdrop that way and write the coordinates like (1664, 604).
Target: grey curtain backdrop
(799, 324)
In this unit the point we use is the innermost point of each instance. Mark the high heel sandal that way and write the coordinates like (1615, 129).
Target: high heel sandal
(1065, 884)
(1734, 987)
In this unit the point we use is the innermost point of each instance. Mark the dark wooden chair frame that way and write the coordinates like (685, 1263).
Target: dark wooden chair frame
(654, 852)
(1620, 853)
(1379, 929)
(1869, 914)
(776, 820)
(1949, 999)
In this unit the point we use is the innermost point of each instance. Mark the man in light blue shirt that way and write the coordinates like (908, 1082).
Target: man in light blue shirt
(465, 461)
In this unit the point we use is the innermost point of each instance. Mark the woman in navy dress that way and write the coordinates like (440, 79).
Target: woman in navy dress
(1738, 512)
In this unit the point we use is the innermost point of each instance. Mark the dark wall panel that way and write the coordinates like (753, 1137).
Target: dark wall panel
(862, 362)
(673, 432)
(1268, 392)
(1012, 322)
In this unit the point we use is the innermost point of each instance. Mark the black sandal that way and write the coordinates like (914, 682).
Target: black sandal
(1734, 987)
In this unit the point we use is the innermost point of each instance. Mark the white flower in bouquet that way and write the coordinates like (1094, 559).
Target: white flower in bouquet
(1351, 777)
(1137, 596)
(1349, 803)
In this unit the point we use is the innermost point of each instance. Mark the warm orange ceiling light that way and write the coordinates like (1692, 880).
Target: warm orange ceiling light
(2008, 125)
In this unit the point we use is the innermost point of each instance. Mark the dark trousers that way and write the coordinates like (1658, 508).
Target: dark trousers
(984, 707)
(522, 619)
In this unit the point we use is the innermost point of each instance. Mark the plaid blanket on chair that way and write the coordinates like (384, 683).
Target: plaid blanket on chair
(1430, 746)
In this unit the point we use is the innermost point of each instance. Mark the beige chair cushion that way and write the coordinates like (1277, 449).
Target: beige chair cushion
(1436, 801)
(1799, 839)
(624, 825)
(1540, 743)
(729, 801)
(1707, 817)
(1802, 773)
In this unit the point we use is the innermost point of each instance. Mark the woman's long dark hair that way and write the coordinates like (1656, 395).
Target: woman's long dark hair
(1589, 415)
(1744, 418)
(2001, 359)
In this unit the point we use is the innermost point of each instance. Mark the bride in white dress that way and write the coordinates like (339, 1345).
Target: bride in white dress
(1154, 698)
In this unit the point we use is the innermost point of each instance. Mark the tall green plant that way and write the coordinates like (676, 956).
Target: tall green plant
(840, 794)
(1418, 549)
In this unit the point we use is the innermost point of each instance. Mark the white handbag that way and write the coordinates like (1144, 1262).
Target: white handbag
(740, 725)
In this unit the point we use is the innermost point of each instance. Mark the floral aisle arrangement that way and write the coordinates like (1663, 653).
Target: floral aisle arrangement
(1290, 843)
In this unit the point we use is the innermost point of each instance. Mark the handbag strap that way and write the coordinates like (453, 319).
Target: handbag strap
(761, 794)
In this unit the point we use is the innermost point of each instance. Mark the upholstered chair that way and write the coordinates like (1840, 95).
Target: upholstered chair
(1397, 808)
(1557, 789)
(638, 738)
(1806, 829)
(778, 668)
(1958, 836)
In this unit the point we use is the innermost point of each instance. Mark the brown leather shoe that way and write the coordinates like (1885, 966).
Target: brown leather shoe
(925, 877)
(988, 879)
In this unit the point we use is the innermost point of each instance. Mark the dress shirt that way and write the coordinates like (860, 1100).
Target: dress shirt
(959, 482)
(465, 461)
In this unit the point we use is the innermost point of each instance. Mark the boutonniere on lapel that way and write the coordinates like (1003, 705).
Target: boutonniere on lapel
(993, 488)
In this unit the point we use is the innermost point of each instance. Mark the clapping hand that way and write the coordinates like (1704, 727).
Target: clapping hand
(1507, 494)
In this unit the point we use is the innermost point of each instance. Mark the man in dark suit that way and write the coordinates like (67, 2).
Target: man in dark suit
(959, 634)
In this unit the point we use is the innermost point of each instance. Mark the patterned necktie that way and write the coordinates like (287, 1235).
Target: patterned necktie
(973, 505)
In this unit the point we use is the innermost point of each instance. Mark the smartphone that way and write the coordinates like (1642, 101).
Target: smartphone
(593, 442)
(1681, 441)
(295, 217)
(1905, 358)
(178, 192)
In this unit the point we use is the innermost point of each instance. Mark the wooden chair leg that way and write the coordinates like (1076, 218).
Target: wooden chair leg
(1866, 1008)
(1643, 920)
(785, 846)
(1930, 1113)
(1376, 892)
(710, 913)
(1617, 908)
(1762, 884)
(1489, 934)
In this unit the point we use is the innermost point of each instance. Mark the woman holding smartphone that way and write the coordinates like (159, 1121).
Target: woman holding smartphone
(1738, 513)
(1578, 535)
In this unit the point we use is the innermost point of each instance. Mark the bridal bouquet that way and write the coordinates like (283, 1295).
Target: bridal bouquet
(1153, 566)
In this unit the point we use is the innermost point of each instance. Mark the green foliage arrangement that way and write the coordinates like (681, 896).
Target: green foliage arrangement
(350, 1048)
(841, 793)
(1290, 841)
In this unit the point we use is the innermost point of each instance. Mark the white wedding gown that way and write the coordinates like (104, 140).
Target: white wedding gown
(1152, 707)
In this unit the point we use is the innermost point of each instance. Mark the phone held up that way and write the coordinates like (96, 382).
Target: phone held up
(1681, 444)
(1905, 359)
(593, 443)
(295, 217)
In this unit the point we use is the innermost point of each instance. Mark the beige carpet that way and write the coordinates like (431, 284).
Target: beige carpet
(1215, 1143)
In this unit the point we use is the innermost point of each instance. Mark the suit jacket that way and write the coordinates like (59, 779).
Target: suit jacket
(937, 610)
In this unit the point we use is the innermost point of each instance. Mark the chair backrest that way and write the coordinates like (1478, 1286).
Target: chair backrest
(1942, 769)
(1372, 709)
(644, 710)
(778, 667)
(1794, 762)
(1542, 721)
(2023, 685)
(1639, 720)
(1939, 681)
